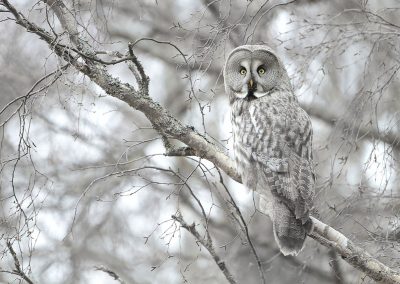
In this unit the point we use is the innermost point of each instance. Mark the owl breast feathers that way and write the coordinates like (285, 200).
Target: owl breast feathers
(272, 138)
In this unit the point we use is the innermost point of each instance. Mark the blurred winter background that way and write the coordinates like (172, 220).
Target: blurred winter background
(83, 179)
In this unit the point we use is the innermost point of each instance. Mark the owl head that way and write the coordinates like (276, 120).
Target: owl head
(254, 71)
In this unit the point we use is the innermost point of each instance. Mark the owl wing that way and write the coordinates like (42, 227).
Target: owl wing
(287, 167)
(291, 180)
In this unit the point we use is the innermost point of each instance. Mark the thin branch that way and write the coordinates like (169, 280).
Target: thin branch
(18, 269)
(244, 227)
(390, 138)
(144, 79)
(57, 73)
(207, 244)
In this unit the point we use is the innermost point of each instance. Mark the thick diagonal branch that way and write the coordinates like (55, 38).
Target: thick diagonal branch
(353, 254)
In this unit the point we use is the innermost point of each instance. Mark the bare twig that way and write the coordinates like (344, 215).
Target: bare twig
(144, 79)
(18, 269)
(369, 132)
(207, 244)
(244, 227)
(57, 73)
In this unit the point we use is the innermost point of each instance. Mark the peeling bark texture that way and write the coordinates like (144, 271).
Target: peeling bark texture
(91, 66)
(353, 254)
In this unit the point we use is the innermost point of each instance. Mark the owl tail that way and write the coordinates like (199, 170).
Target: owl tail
(290, 233)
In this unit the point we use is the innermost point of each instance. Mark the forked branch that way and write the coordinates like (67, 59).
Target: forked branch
(18, 268)
(208, 245)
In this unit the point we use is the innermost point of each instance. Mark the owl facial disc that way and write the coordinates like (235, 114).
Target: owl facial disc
(252, 72)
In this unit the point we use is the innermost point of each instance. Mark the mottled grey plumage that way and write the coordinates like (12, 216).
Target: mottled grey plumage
(272, 138)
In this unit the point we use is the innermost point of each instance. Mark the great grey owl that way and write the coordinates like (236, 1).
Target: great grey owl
(272, 138)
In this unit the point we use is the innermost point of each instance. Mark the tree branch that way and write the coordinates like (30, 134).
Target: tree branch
(18, 269)
(370, 132)
(169, 126)
(353, 254)
(207, 244)
(112, 274)
(242, 223)
(335, 265)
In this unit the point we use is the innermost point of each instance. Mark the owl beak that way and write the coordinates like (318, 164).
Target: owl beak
(251, 88)
(252, 85)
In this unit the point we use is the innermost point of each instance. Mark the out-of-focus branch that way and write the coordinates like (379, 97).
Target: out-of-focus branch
(212, 7)
(169, 126)
(336, 269)
(208, 245)
(67, 20)
(33, 91)
(114, 275)
(370, 132)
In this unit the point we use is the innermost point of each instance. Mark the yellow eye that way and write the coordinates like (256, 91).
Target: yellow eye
(243, 71)
(261, 71)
